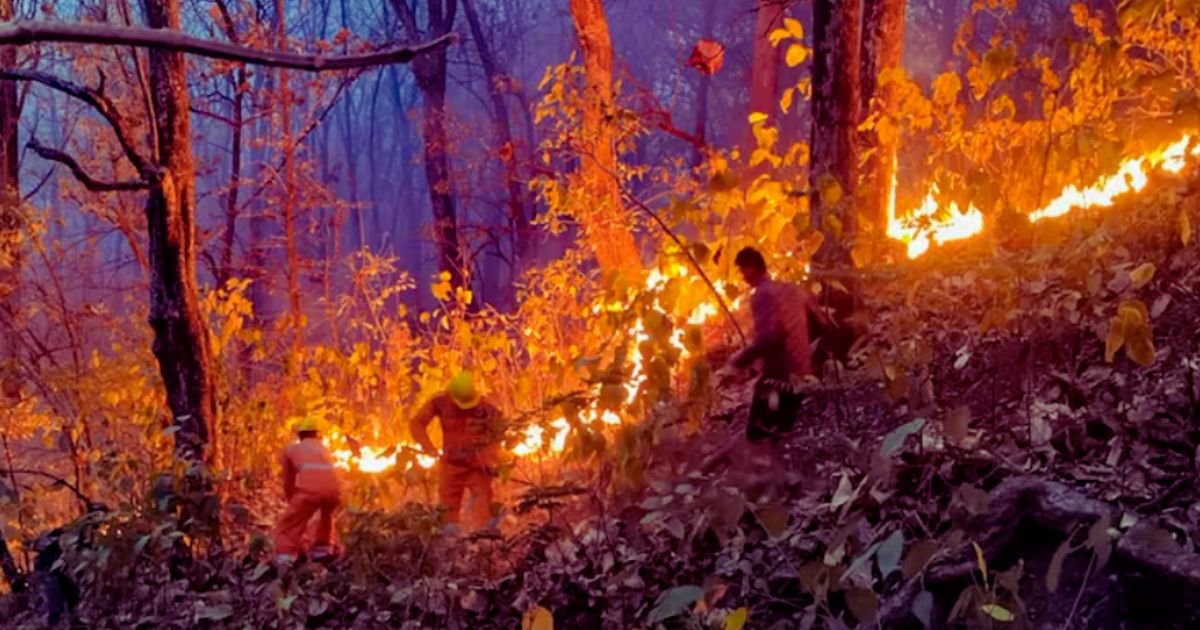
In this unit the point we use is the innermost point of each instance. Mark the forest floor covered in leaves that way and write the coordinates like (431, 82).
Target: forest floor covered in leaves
(981, 463)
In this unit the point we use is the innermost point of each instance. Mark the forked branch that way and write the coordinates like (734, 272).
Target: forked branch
(91, 183)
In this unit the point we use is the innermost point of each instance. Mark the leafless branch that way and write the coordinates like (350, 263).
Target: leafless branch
(54, 155)
(27, 32)
(96, 99)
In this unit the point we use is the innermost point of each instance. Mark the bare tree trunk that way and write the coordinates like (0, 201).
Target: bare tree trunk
(882, 47)
(833, 175)
(764, 71)
(181, 341)
(835, 105)
(518, 218)
(430, 72)
(607, 225)
(11, 224)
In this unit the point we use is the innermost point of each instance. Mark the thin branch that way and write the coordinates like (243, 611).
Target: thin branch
(58, 481)
(96, 99)
(27, 32)
(92, 184)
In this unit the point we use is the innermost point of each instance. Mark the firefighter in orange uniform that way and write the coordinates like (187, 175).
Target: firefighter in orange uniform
(312, 487)
(471, 434)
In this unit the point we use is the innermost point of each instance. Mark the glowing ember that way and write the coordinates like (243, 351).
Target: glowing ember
(928, 224)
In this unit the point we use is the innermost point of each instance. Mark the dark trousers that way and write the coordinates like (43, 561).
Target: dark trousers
(773, 410)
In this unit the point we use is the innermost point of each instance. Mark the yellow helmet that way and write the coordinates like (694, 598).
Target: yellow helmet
(462, 391)
(307, 423)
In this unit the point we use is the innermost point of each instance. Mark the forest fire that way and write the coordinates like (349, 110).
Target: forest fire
(536, 439)
(928, 224)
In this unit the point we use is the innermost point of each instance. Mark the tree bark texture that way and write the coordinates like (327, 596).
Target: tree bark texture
(518, 217)
(764, 69)
(835, 107)
(181, 341)
(606, 225)
(882, 47)
(430, 73)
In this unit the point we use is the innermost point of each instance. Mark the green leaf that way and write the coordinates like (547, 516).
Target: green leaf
(895, 440)
(888, 557)
(537, 618)
(736, 619)
(922, 608)
(844, 494)
(997, 612)
(861, 561)
(675, 601)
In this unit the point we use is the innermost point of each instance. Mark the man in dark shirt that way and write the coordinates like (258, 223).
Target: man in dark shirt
(781, 342)
(471, 433)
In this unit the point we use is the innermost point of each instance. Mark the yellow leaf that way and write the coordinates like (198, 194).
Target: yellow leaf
(1185, 227)
(794, 27)
(778, 35)
(946, 88)
(997, 612)
(1115, 339)
(796, 54)
(736, 619)
(1143, 274)
(1141, 350)
(537, 619)
(785, 102)
(830, 189)
(757, 118)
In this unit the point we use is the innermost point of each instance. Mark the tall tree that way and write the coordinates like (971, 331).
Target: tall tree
(518, 217)
(180, 335)
(764, 69)
(181, 343)
(882, 47)
(835, 107)
(833, 174)
(430, 72)
(10, 238)
(606, 225)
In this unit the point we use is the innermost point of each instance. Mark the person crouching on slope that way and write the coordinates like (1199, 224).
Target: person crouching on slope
(472, 430)
(311, 486)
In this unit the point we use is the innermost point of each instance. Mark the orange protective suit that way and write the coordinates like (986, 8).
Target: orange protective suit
(471, 444)
(311, 486)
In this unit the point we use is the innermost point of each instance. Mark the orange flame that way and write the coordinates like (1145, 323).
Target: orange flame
(927, 224)
(551, 440)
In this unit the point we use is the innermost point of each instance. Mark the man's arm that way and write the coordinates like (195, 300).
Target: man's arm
(419, 426)
(289, 477)
(766, 329)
